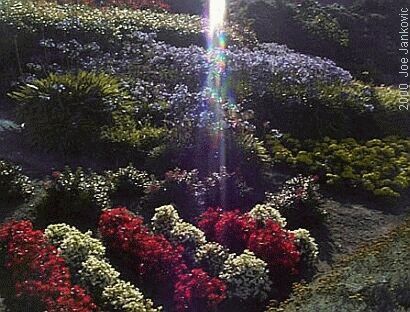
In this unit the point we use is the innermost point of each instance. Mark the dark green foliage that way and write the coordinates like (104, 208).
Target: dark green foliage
(187, 6)
(74, 197)
(67, 112)
(354, 110)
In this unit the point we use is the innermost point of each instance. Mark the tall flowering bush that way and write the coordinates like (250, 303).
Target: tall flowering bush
(39, 272)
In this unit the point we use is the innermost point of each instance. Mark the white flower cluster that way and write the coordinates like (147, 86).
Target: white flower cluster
(246, 276)
(166, 221)
(98, 273)
(124, 297)
(75, 246)
(211, 256)
(86, 255)
(264, 212)
(307, 246)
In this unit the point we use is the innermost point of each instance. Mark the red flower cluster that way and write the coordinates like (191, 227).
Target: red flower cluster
(39, 272)
(231, 229)
(156, 259)
(197, 289)
(153, 255)
(277, 247)
(238, 231)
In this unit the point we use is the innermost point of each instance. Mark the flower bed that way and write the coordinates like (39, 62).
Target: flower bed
(86, 257)
(39, 272)
(378, 166)
(158, 262)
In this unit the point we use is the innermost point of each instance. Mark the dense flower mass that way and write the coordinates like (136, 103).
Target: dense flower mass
(247, 277)
(268, 239)
(153, 255)
(277, 247)
(233, 230)
(86, 256)
(39, 272)
(197, 289)
(156, 259)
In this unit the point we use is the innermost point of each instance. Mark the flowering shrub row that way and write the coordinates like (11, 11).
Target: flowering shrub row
(245, 275)
(379, 166)
(238, 231)
(39, 271)
(117, 22)
(134, 4)
(86, 256)
(156, 260)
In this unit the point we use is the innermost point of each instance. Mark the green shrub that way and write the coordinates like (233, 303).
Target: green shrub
(379, 166)
(74, 197)
(13, 184)
(353, 110)
(67, 112)
(374, 278)
(57, 20)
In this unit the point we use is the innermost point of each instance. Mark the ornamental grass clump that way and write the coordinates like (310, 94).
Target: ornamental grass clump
(66, 112)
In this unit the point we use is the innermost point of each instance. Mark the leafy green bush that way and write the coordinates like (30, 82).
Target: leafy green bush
(67, 112)
(13, 184)
(380, 166)
(375, 278)
(338, 110)
(74, 197)
(54, 20)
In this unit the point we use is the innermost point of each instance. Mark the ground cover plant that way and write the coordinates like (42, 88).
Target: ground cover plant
(153, 160)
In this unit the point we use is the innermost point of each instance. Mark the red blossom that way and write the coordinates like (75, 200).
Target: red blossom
(39, 272)
(277, 247)
(233, 230)
(207, 221)
(196, 290)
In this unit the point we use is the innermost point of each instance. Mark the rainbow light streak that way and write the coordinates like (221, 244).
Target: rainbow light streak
(217, 86)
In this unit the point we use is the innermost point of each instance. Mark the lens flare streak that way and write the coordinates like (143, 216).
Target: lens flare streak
(217, 86)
